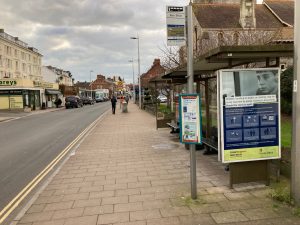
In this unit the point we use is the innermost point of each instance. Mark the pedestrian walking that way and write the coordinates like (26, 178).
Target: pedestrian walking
(113, 104)
(127, 99)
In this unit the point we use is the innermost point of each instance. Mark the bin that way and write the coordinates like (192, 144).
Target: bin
(124, 107)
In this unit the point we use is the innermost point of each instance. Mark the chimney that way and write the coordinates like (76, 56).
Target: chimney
(247, 13)
(156, 62)
(1, 30)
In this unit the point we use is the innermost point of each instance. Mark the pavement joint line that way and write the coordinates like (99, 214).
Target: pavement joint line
(25, 191)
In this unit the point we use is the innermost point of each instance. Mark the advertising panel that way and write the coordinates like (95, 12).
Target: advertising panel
(16, 102)
(250, 114)
(175, 25)
(190, 119)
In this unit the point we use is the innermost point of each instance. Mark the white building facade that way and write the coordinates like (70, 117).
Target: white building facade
(21, 82)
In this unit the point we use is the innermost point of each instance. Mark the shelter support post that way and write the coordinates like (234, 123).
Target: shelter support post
(295, 185)
(207, 109)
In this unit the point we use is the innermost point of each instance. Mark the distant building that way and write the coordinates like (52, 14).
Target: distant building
(155, 70)
(88, 88)
(62, 77)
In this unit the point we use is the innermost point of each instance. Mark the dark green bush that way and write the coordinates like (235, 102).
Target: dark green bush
(286, 83)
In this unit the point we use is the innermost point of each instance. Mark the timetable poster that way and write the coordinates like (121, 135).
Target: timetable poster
(190, 119)
(250, 114)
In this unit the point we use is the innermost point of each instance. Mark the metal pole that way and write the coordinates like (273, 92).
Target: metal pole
(190, 74)
(133, 81)
(139, 73)
(91, 82)
(295, 187)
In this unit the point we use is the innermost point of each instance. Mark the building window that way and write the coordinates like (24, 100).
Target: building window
(236, 38)
(221, 40)
(24, 67)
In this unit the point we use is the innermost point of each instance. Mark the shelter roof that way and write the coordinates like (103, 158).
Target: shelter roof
(225, 57)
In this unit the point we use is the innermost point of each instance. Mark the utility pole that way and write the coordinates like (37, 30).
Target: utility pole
(190, 74)
(139, 69)
(91, 82)
(133, 81)
(295, 186)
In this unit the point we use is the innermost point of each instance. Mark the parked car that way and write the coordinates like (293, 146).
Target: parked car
(99, 99)
(162, 98)
(88, 101)
(73, 102)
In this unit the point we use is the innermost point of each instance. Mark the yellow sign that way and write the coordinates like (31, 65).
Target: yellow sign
(4, 102)
(8, 82)
(45, 84)
(26, 83)
(16, 102)
(248, 154)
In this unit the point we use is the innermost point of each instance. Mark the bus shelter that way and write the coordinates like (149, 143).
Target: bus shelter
(205, 78)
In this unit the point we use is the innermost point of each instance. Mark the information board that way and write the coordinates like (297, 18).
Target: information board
(190, 119)
(175, 25)
(250, 114)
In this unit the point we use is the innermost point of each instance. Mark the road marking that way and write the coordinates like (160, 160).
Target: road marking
(7, 210)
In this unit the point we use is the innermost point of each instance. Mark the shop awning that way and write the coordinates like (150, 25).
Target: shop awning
(52, 92)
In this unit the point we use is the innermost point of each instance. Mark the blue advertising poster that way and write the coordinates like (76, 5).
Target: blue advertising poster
(190, 119)
(250, 114)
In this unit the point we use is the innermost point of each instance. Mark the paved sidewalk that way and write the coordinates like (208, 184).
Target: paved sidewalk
(128, 173)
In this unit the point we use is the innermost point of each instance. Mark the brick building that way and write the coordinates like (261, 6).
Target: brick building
(155, 70)
(101, 83)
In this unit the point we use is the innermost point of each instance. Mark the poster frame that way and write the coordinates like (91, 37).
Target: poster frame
(221, 114)
(198, 118)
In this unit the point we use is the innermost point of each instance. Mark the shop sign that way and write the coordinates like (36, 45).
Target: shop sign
(8, 83)
(249, 114)
(44, 84)
(10, 92)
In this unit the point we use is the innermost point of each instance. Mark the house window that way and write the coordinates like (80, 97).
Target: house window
(236, 38)
(221, 39)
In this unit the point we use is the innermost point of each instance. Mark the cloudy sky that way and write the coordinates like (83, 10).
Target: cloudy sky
(84, 35)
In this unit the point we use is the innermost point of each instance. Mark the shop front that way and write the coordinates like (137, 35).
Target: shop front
(49, 93)
(27, 95)
(51, 96)
(19, 95)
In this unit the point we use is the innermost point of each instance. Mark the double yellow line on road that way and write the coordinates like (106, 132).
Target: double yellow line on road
(7, 210)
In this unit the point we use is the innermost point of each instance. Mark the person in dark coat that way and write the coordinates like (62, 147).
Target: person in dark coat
(113, 104)
(58, 102)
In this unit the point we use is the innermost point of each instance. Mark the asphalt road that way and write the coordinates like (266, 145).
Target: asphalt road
(29, 144)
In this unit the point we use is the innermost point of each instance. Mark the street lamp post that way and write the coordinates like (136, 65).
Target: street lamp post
(91, 82)
(139, 70)
(133, 82)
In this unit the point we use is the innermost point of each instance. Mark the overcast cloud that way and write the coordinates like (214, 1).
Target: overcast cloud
(84, 35)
